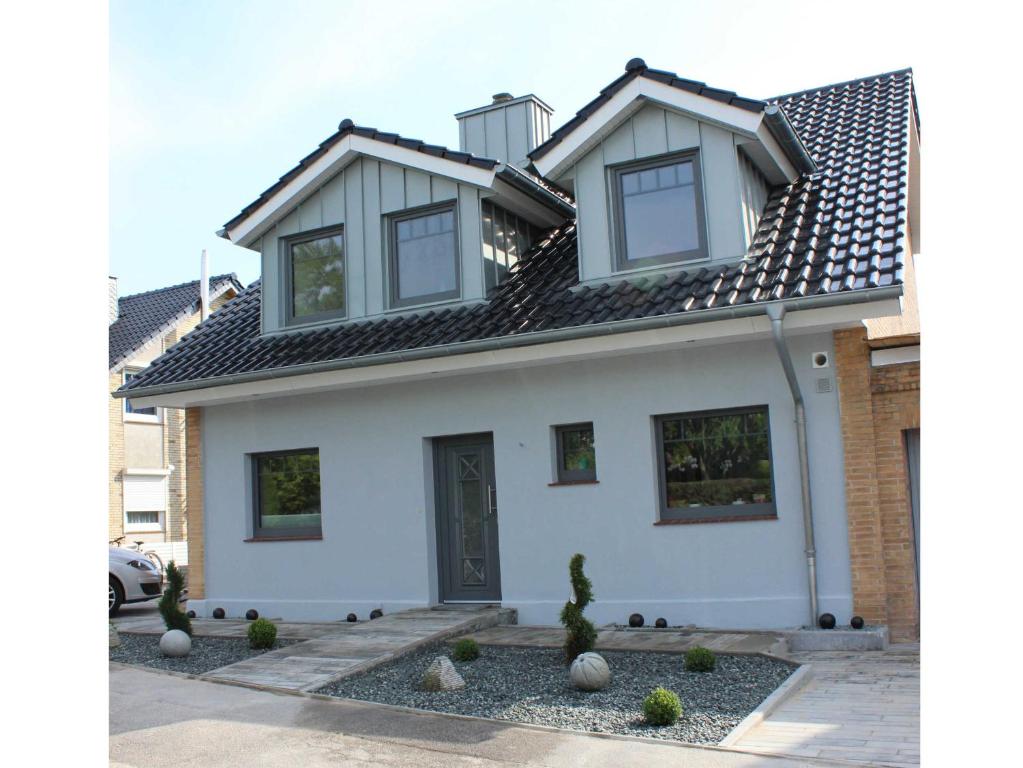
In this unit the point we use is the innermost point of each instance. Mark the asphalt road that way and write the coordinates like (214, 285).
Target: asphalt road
(161, 720)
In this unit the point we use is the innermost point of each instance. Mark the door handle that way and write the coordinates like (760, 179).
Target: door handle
(491, 503)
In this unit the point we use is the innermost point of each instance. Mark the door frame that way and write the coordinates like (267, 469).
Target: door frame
(443, 535)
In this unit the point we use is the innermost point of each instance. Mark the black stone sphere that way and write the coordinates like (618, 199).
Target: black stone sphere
(191, 614)
(376, 613)
(827, 621)
(251, 615)
(856, 622)
(636, 620)
(661, 623)
(345, 124)
(218, 613)
(634, 64)
(352, 617)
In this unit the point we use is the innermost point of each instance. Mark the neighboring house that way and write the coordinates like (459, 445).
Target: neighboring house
(640, 337)
(147, 442)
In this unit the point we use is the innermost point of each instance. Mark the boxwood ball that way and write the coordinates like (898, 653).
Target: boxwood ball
(252, 614)
(376, 613)
(827, 621)
(661, 623)
(352, 617)
(218, 613)
(857, 622)
(636, 620)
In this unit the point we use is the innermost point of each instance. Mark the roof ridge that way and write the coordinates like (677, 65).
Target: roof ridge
(213, 279)
(831, 86)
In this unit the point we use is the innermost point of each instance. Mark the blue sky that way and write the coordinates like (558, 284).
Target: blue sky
(212, 101)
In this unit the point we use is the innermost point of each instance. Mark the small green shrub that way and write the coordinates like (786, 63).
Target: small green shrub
(700, 659)
(581, 635)
(170, 603)
(262, 634)
(662, 707)
(466, 649)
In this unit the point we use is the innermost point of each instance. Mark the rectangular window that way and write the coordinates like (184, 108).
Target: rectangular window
(144, 518)
(316, 276)
(149, 414)
(287, 493)
(576, 456)
(715, 465)
(424, 257)
(506, 238)
(659, 212)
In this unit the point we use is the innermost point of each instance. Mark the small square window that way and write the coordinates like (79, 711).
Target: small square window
(424, 257)
(139, 414)
(315, 276)
(576, 454)
(287, 493)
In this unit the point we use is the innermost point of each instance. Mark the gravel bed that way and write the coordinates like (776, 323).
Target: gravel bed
(207, 654)
(531, 685)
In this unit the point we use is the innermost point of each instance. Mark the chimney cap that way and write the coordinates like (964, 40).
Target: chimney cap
(502, 97)
(635, 64)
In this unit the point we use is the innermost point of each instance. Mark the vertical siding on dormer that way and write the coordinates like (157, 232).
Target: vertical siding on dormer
(755, 190)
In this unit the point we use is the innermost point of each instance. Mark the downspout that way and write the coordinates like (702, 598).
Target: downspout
(776, 313)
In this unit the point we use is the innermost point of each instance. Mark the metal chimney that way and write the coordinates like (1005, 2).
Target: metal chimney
(204, 287)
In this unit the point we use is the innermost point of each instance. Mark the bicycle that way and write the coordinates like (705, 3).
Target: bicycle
(154, 558)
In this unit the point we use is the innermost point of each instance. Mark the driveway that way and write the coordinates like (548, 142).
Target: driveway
(161, 720)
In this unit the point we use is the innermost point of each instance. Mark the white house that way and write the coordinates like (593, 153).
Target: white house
(461, 367)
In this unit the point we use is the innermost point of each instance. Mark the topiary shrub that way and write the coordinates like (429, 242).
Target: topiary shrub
(170, 603)
(700, 659)
(262, 634)
(582, 635)
(662, 707)
(466, 649)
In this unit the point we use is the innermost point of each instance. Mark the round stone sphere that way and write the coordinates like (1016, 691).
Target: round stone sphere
(376, 613)
(827, 621)
(352, 617)
(191, 614)
(856, 622)
(636, 620)
(251, 615)
(218, 613)
(589, 672)
(661, 623)
(175, 643)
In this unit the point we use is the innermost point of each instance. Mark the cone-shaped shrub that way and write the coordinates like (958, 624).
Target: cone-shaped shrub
(582, 635)
(170, 603)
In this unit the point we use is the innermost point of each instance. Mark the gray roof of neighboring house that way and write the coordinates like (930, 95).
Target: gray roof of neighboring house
(837, 231)
(145, 316)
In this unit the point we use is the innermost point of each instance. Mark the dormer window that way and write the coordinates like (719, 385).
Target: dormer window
(315, 276)
(659, 210)
(424, 256)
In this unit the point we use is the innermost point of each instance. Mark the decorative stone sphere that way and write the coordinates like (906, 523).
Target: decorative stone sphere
(661, 623)
(589, 672)
(251, 615)
(636, 620)
(856, 622)
(352, 617)
(191, 614)
(376, 613)
(827, 621)
(218, 613)
(175, 643)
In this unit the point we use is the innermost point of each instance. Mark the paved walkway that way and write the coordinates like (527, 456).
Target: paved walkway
(667, 640)
(858, 706)
(159, 720)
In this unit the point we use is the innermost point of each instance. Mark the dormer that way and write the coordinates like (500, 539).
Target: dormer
(372, 224)
(668, 173)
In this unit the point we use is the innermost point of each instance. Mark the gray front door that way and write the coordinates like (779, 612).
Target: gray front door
(467, 519)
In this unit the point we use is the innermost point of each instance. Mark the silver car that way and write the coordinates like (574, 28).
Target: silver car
(133, 578)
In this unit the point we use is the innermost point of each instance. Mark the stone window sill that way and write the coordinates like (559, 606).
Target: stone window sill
(259, 539)
(573, 482)
(698, 520)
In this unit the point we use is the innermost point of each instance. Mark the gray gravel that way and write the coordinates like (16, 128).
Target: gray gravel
(207, 654)
(531, 685)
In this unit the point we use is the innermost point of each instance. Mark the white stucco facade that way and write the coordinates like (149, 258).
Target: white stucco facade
(378, 511)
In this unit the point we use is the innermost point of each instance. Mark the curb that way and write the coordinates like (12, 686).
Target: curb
(792, 685)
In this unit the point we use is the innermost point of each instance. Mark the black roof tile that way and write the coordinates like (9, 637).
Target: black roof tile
(839, 229)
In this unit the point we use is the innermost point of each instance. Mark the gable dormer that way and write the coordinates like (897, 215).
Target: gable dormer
(373, 224)
(668, 173)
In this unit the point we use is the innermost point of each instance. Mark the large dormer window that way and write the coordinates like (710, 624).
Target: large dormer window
(424, 256)
(659, 212)
(315, 276)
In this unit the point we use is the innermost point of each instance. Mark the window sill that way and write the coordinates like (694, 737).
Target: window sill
(258, 539)
(141, 418)
(573, 482)
(722, 519)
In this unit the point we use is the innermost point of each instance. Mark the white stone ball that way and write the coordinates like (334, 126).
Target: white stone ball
(175, 643)
(589, 672)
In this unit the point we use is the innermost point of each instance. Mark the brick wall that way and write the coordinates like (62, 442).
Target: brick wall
(115, 522)
(194, 504)
(877, 406)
